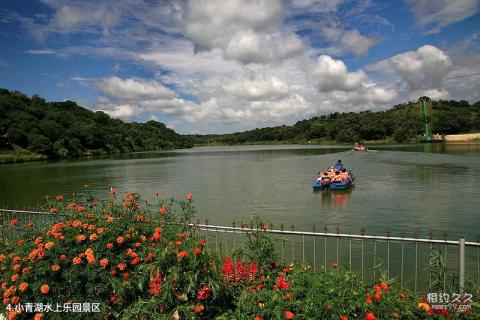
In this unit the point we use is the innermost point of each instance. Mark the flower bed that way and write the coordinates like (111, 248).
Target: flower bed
(131, 260)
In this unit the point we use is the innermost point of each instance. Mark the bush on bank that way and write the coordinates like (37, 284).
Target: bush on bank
(144, 261)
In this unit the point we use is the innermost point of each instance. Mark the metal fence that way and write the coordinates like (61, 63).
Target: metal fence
(401, 257)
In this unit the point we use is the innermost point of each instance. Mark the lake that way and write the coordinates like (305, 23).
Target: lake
(398, 187)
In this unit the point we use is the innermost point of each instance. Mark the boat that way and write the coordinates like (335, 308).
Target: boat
(360, 147)
(329, 185)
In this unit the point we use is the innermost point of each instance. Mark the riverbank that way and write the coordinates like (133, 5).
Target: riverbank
(18, 154)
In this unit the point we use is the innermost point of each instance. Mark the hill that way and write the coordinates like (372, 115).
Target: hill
(402, 123)
(32, 127)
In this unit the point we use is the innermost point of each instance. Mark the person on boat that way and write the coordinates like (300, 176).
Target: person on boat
(339, 165)
(326, 179)
(344, 174)
(319, 176)
(337, 177)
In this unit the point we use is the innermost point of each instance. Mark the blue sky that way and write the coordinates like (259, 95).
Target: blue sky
(212, 66)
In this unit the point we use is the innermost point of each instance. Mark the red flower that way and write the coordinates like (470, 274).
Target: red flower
(402, 296)
(384, 286)
(135, 261)
(178, 243)
(281, 283)
(53, 209)
(44, 289)
(162, 210)
(198, 309)
(202, 242)
(182, 235)
(182, 254)
(227, 269)
(288, 315)
(370, 316)
(188, 196)
(120, 240)
(14, 222)
(109, 245)
(197, 251)
(59, 198)
(377, 288)
(377, 297)
(288, 296)
(334, 265)
(259, 318)
(204, 293)
(264, 228)
(344, 318)
(155, 285)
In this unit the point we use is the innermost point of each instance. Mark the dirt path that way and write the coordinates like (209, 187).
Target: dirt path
(462, 137)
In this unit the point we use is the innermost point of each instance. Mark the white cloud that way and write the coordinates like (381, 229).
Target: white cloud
(434, 15)
(423, 69)
(258, 89)
(132, 89)
(335, 76)
(356, 42)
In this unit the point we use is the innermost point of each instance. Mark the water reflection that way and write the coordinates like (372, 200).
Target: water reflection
(337, 198)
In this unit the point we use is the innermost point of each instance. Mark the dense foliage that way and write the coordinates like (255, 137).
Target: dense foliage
(64, 129)
(145, 261)
(402, 123)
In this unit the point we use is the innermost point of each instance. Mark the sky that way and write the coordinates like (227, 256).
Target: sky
(218, 66)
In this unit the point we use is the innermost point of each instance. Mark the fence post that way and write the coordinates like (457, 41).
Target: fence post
(461, 263)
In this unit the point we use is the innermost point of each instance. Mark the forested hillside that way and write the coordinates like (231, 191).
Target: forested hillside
(64, 129)
(401, 123)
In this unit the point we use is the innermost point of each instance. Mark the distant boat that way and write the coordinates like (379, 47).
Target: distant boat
(360, 147)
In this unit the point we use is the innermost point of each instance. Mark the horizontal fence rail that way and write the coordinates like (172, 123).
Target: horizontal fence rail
(370, 255)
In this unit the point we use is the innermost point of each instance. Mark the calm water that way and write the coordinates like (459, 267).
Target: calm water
(397, 187)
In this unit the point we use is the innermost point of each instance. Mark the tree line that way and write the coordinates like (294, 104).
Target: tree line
(64, 129)
(402, 123)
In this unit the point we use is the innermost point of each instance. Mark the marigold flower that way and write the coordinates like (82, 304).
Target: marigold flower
(125, 275)
(109, 245)
(38, 240)
(14, 277)
(370, 316)
(49, 245)
(44, 289)
(55, 267)
(81, 238)
(182, 235)
(38, 316)
(377, 288)
(63, 257)
(88, 252)
(100, 231)
(264, 228)
(53, 209)
(288, 296)
(2, 257)
(288, 315)
(198, 309)
(138, 244)
(23, 286)
(259, 318)
(13, 222)
(189, 196)
(384, 286)
(150, 256)
(202, 242)
(20, 242)
(104, 262)
(30, 223)
(182, 254)
(344, 318)
(59, 198)
(402, 296)
(25, 270)
(425, 306)
(120, 240)
(163, 210)
(80, 208)
(91, 259)
(121, 266)
(15, 299)
(16, 267)
(135, 261)
(77, 260)
(197, 251)
(377, 297)
(93, 237)
(178, 243)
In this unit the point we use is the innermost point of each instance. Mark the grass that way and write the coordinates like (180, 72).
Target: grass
(18, 154)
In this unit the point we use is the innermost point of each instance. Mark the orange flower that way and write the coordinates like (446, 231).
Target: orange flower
(23, 286)
(370, 316)
(120, 240)
(197, 250)
(53, 209)
(104, 262)
(93, 237)
(135, 261)
(81, 238)
(2, 257)
(89, 252)
(38, 316)
(121, 266)
(25, 270)
(16, 267)
(44, 289)
(188, 196)
(20, 242)
(38, 240)
(14, 222)
(59, 198)
(100, 230)
(109, 245)
(49, 244)
(63, 257)
(77, 260)
(288, 314)
(55, 267)
(202, 242)
(198, 309)
(138, 244)
(143, 238)
(15, 299)
(91, 259)
(14, 277)
(162, 210)
(182, 254)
